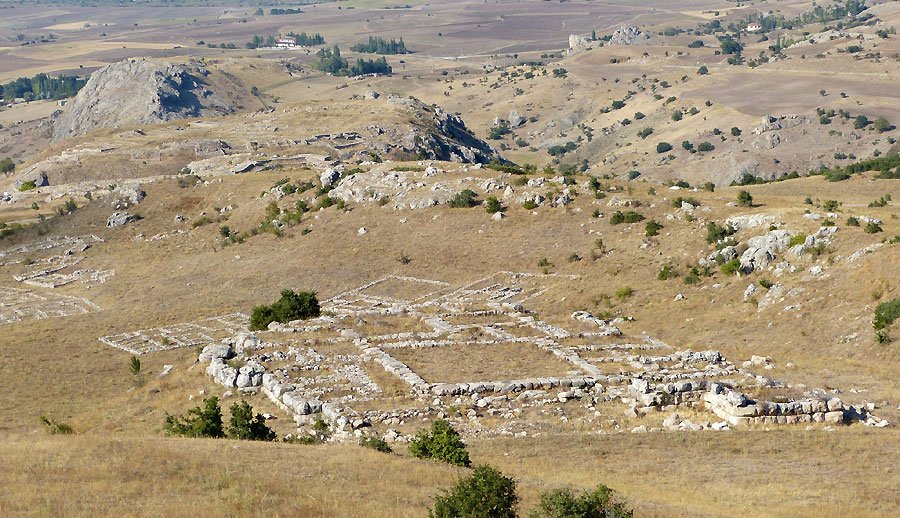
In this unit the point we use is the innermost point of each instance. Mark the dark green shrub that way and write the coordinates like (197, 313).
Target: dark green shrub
(486, 493)
(679, 200)
(27, 186)
(666, 273)
(442, 443)
(493, 205)
(205, 421)
(881, 202)
(376, 444)
(630, 216)
(664, 147)
(463, 199)
(744, 199)
(7, 165)
(852, 221)
(872, 228)
(705, 147)
(716, 232)
(244, 425)
(693, 277)
(564, 503)
(291, 306)
(886, 313)
(831, 205)
(653, 227)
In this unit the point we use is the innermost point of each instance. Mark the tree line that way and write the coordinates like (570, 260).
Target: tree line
(331, 62)
(42, 86)
(378, 45)
(302, 39)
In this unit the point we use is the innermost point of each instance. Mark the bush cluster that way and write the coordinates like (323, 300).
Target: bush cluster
(291, 306)
(442, 443)
(630, 216)
(206, 421)
(463, 199)
(488, 493)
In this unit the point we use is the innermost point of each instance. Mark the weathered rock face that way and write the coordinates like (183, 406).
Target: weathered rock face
(120, 219)
(628, 35)
(441, 136)
(138, 91)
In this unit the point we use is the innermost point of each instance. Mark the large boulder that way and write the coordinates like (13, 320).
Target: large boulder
(120, 219)
(762, 250)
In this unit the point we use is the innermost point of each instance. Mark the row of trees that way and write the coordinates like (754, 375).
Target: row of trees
(302, 39)
(769, 22)
(381, 46)
(331, 62)
(206, 421)
(307, 40)
(42, 86)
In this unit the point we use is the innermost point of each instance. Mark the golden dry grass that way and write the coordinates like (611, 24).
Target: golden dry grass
(474, 362)
(778, 473)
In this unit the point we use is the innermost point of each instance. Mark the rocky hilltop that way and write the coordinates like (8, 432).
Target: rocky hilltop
(140, 91)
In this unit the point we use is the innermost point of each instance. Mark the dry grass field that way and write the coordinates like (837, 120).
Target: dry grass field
(778, 473)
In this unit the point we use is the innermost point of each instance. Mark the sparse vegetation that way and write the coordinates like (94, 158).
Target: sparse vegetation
(375, 443)
(54, 427)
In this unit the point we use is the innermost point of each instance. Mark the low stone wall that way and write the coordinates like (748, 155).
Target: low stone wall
(738, 409)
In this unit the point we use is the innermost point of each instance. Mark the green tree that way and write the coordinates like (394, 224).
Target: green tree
(860, 122)
(205, 421)
(442, 443)
(244, 425)
(745, 199)
(291, 306)
(663, 147)
(487, 493)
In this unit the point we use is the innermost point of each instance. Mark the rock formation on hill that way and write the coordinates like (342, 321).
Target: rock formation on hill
(628, 35)
(140, 91)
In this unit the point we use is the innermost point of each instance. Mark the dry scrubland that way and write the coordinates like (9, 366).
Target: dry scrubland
(665, 475)
(169, 272)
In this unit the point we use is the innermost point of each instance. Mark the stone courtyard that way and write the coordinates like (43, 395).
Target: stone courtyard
(21, 305)
(394, 353)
